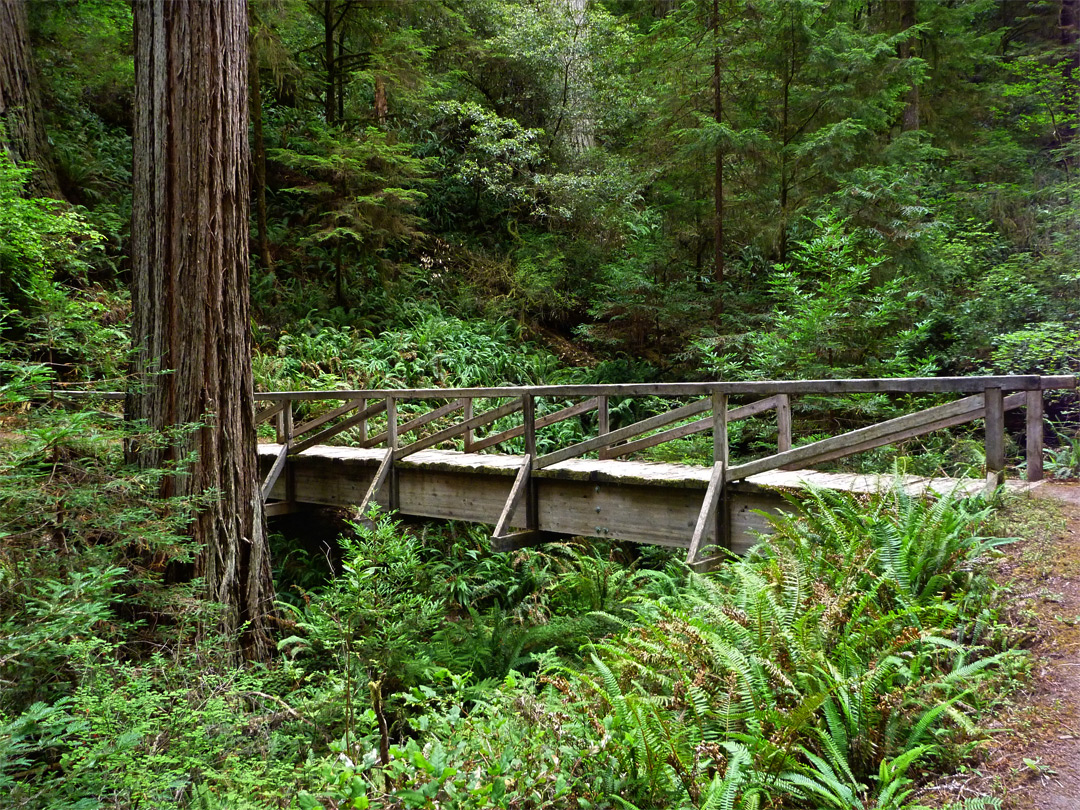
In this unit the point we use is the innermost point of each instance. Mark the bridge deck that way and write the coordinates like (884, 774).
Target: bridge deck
(649, 502)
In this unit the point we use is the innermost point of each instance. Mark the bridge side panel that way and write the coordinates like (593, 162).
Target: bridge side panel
(643, 513)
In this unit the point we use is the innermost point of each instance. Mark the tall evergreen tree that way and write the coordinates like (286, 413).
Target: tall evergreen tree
(20, 101)
(190, 291)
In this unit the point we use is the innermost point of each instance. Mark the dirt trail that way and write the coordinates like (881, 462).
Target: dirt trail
(1033, 761)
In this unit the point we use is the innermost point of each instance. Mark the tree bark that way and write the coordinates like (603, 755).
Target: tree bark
(718, 180)
(20, 102)
(190, 292)
(910, 121)
(265, 259)
(329, 103)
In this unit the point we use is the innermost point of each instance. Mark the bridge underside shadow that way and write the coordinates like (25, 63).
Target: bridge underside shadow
(643, 502)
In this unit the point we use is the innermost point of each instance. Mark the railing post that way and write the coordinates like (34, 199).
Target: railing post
(467, 414)
(363, 423)
(603, 424)
(783, 423)
(287, 423)
(1034, 450)
(994, 405)
(391, 446)
(720, 456)
(528, 413)
(286, 439)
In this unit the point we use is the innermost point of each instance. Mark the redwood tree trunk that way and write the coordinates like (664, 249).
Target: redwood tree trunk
(20, 101)
(190, 290)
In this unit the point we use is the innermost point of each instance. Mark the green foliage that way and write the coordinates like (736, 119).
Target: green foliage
(826, 655)
(830, 318)
(432, 350)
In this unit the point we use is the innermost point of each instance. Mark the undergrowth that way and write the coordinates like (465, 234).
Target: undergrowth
(832, 667)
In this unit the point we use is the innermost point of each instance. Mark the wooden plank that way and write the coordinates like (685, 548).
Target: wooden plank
(319, 421)
(275, 471)
(614, 436)
(344, 425)
(524, 539)
(639, 513)
(377, 483)
(994, 422)
(454, 430)
(1034, 448)
(269, 413)
(783, 423)
(910, 385)
(281, 508)
(700, 426)
(899, 385)
(854, 438)
(977, 412)
(541, 422)
(418, 422)
(707, 517)
(517, 492)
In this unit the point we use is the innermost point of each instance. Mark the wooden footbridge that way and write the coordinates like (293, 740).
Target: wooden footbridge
(430, 453)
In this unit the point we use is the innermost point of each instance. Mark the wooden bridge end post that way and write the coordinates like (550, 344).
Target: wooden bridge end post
(363, 424)
(995, 437)
(391, 447)
(722, 521)
(1034, 449)
(603, 426)
(528, 413)
(287, 440)
(783, 423)
(466, 415)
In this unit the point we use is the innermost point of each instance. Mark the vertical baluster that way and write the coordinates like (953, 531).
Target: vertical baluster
(719, 415)
(1034, 450)
(528, 413)
(287, 422)
(286, 439)
(783, 423)
(466, 416)
(363, 423)
(995, 437)
(720, 456)
(391, 446)
(603, 423)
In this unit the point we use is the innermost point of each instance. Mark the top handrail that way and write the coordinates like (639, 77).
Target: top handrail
(885, 385)
(871, 385)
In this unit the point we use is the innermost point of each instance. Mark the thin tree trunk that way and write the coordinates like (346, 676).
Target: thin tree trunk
(20, 102)
(190, 293)
(329, 106)
(910, 121)
(382, 108)
(265, 259)
(718, 183)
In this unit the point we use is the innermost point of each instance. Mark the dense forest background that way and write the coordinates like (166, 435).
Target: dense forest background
(476, 192)
(644, 189)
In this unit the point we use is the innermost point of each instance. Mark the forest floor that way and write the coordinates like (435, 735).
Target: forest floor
(1032, 758)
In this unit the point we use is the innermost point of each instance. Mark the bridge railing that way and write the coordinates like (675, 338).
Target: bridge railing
(456, 416)
(406, 421)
